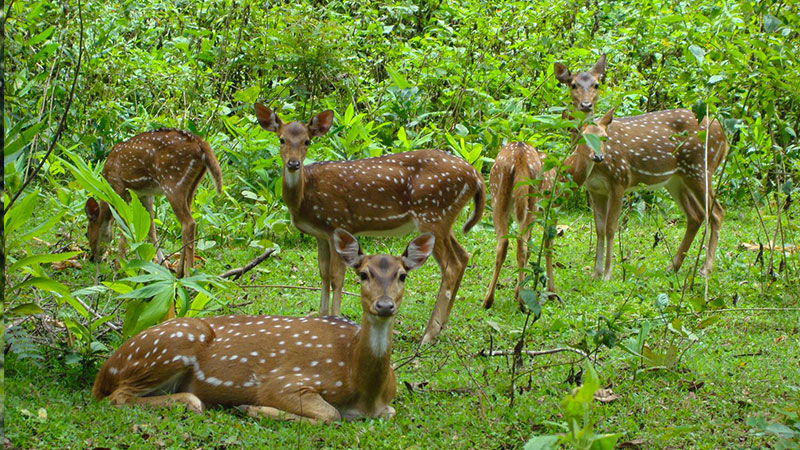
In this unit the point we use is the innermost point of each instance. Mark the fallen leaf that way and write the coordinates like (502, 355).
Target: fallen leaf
(633, 443)
(780, 338)
(605, 396)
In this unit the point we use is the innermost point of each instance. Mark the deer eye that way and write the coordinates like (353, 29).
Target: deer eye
(574, 86)
(402, 277)
(282, 141)
(596, 85)
(363, 276)
(308, 143)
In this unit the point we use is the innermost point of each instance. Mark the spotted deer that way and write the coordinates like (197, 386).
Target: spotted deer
(653, 150)
(315, 369)
(166, 161)
(390, 194)
(514, 197)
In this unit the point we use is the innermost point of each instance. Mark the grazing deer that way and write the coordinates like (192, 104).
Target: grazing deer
(390, 194)
(166, 161)
(311, 369)
(583, 86)
(657, 149)
(515, 163)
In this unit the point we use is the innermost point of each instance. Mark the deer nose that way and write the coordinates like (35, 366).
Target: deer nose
(587, 106)
(596, 157)
(292, 165)
(385, 307)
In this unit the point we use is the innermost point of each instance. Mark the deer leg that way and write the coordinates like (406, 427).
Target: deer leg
(452, 269)
(685, 196)
(324, 260)
(600, 210)
(190, 400)
(715, 222)
(500, 218)
(307, 407)
(147, 201)
(523, 254)
(337, 269)
(612, 221)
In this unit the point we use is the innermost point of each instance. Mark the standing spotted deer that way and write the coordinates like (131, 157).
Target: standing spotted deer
(391, 194)
(310, 369)
(653, 150)
(166, 161)
(512, 193)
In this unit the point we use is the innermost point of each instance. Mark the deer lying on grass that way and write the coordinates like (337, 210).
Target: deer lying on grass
(391, 194)
(515, 163)
(167, 161)
(312, 369)
(663, 148)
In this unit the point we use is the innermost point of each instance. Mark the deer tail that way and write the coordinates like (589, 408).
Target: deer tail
(480, 202)
(212, 165)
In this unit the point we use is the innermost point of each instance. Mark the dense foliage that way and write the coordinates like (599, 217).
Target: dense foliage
(400, 75)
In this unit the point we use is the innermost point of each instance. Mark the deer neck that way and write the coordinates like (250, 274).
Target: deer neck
(580, 165)
(371, 356)
(293, 188)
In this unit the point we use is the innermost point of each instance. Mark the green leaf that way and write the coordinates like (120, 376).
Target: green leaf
(150, 290)
(397, 78)
(41, 36)
(154, 310)
(662, 301)
(698, 52)
(605, 441)
(714, 79)
(595, 143)
(20, 212)
(45, 284)
(771, 23)
(39, 259)
(25, 309)
(542, 443)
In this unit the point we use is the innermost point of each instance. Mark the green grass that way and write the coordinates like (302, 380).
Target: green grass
(741, 366)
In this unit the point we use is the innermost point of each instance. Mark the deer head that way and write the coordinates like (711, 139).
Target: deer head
(100, 230)
(583, 86)
(584, 157)
(294, 137)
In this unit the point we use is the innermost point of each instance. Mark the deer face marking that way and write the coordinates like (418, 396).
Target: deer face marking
(294, 137)
(583, 86)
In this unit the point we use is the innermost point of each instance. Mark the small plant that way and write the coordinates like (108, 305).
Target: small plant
(579, 424)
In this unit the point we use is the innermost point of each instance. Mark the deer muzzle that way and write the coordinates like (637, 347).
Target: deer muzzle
(293, 164)
(385, 307)
(587, 106)
(597, 158)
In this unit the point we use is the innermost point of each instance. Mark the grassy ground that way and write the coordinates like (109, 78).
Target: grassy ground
(451, 397)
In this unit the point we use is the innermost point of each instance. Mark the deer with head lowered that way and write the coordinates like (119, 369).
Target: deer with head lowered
(515, 196)
(659, 149)
(315, 369)
(391, 194)
(166, 161)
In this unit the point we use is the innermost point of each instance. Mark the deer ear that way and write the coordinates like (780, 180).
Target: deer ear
(599, 69)
(92, 209)
(418, 251)
(562, 73)
(607, 118)
(321, 123)
(267, 119)
(347, 247)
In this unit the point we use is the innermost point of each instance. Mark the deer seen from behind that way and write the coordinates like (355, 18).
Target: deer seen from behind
(318, 369)
(385, 195)
(514, 196)
(165, 162)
